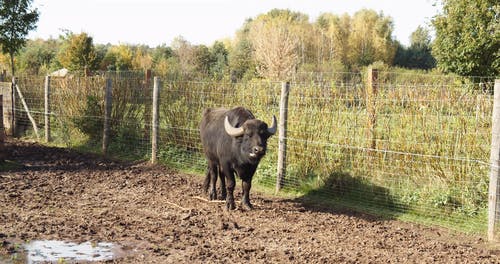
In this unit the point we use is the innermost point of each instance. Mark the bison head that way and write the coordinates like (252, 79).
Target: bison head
(252, 137)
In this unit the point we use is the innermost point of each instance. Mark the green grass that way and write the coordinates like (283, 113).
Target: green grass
(417, 149)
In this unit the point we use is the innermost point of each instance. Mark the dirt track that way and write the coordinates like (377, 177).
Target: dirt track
(157, 216)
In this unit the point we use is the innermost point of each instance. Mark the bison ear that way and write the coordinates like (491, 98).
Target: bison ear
(272, 129)
(232, 131)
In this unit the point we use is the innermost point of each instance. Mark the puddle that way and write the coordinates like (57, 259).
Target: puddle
(54, 251)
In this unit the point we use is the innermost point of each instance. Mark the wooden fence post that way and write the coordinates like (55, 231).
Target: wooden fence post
(494, 188)
(2, 134)
(371, 109)
(155, 120)
(47, 108)
(13, 107)
(107, 115)
(282, 126)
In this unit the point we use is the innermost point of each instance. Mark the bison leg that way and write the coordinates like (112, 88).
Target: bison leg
(211, 181)
(206, 182)
(245, 200)
(222, 186)
(230, 184)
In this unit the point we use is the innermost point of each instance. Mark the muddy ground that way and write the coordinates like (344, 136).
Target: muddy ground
(158, 215)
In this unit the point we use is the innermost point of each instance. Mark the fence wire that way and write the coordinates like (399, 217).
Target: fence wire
(418, 146)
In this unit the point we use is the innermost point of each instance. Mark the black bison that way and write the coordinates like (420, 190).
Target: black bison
(234, 141)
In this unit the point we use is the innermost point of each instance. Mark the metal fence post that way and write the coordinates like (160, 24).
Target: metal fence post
(155, 122)
(282, 125)
(47, 108)
(107, 115)
(494, 190)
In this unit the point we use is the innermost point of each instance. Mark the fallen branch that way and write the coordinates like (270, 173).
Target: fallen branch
(178, 206)
(206, 200)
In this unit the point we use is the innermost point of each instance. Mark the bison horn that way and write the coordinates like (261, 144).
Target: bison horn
(272, 129)
(232, 131)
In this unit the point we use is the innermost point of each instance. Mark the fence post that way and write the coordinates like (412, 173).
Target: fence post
(2, 134)
(371, 101)
(107, 115)
(494, 190)
(13, 107)
(155, 122)
(282, 125)
(47, 108)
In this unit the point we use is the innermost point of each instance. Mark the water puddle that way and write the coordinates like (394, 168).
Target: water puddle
(55, 251)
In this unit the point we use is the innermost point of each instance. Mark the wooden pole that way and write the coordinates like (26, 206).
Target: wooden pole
(494, 190)
(282, 125)
(25, 105)
(107, 116)
(155, 122)
(47, 108)
(2, 134)
(13, 120)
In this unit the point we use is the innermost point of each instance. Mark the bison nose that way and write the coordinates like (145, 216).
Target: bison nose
(258, 150)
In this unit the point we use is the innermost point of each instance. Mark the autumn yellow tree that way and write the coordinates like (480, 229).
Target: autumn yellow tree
(276, 42)
(78, 53)
(370, 39)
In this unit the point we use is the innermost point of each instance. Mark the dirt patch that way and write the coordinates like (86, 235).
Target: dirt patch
(161, 216)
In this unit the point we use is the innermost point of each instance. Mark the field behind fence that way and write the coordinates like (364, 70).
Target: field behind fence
(402, 144)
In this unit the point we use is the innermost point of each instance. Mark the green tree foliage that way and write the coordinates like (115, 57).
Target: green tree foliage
(160, 59)
(16, 20)
(38, 56)
(219, 64)
(468, 37)
(418, 55)
(78, 53)
(240, 56)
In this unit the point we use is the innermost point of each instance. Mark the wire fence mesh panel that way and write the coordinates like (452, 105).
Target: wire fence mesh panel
(414, 145)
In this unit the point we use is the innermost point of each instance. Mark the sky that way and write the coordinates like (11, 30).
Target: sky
(157, 22)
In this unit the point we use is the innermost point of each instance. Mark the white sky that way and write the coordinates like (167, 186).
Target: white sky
(155, 22)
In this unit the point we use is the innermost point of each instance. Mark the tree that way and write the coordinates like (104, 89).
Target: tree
(118, 58)
(336, 29)
(38, 56)
(219, 55)
(275, 40)
(142, 58)
(78, 53)
(468, 37)
(240, 55)
(356, 41)
(418, 55)
(370, 39)
(17, 19)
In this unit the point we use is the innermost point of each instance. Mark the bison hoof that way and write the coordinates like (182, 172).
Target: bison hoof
(212, 196)
(247, 206)
(230, 205)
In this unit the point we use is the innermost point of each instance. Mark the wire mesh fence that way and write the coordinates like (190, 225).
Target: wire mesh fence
(416, 145)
